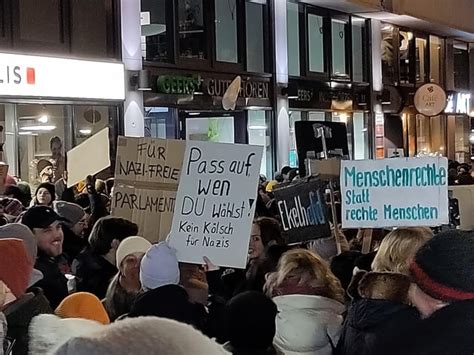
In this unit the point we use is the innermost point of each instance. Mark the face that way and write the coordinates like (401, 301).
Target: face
(56, 149)
(43, 196)
(50, 239)
(130, 271)
(256, 246)
(79, 227)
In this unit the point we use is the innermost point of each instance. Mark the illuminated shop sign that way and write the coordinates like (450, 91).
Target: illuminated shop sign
(459, 103)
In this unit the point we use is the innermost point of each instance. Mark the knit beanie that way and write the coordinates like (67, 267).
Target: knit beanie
(443, 266)
(48, 186)
(159, 267)
(70, 211)
(83, 305)
(129, 246)
(22, 232)
(43, 164)
(15, 267)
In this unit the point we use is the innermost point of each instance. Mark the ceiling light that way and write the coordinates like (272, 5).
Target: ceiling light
(38, 128)
(85, 132)
(43, 119)
(258, 127)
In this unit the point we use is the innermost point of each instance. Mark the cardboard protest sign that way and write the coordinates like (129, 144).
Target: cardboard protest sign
(88, 158)
(303, 211)
(147, 174)
(215, 203)
(405, 192)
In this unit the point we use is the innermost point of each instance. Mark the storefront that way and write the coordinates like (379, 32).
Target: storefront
(189, 105)
(48, 105)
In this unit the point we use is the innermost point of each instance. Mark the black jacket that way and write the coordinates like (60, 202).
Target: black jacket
(93, 273)
(172, 302)
(54, 283)
(19, 315)
(72, 245)
(449, 331)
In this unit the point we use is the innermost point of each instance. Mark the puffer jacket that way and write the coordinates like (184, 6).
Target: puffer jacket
(307, 325)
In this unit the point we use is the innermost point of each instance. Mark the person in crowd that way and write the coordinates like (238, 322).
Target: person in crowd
(151, 335)
(342, 266)
(193, 279)
(74, 224)
(58, 160)
(45, 171)
(10, 210)
(109, 183)
(310, 303)
(95, 205)
(380, 298)
(83, 305)
(26, 193)
(44, 195)
(250, 324)
(95, 267)
(18, 306)
(442, 290)
(46, 227)
(163, 296)
(464, 175)
(13, 191)
(125, 285)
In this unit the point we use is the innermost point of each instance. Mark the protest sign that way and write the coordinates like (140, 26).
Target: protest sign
(303, 211)
(88, 158)
(215, 203)
(405, 192)
(146, 180)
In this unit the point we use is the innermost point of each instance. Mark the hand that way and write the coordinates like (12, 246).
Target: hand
(209, 266)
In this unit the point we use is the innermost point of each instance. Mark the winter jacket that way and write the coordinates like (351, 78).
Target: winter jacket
(379, 310)
(449, 331)
(19, 315)
(172, 302)
(54, 283)
(93, 273)
(308, 325)
(72, 245)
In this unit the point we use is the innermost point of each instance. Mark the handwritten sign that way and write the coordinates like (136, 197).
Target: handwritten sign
(147, 174)
(88, 158)
(405, 192)
(303, 211)
(215, 203)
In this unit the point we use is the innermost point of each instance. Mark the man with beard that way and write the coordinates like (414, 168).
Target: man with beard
(46, 226)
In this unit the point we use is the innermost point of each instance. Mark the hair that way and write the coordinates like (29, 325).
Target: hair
(100, 186)
(55, 139)
(309, 270)
(117, 300)
(106, 229)
(270, 230)
(398, 249)
(109, 184)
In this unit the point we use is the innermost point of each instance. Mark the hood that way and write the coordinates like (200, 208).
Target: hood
(48, 332)
(307, 324)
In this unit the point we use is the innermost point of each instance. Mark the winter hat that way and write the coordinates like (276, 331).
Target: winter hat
(22, 232)
(250, 318)
(129, 246)
(443, 266)
(159, 267)
(15, 267)
(11, 206)
(43, 164)
(83, 305)
(71, 212)
(48, 186)
(151, 335)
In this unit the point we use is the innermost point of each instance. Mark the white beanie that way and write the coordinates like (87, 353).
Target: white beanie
(129, 246)
(159, 267)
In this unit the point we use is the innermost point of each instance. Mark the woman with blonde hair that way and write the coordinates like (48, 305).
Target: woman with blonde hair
(310, 304)
(380, 298)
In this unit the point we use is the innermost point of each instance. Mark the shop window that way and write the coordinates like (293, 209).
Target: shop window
(388, 51)
(226, 31)
(436, 59)
(316, 43)
(210, 129)
(421, 55)
(293, 33)
(191, 27)
(462, 139)
(360, 127)
(405, 51)
(88, 120)
(316, 116)
(155, 29)
(438, 127)
(359, 29)
(338, 41)
(160, 123)
(461, 66)
(423, 135)
(254, 19)
(293, 154)
(259, 133)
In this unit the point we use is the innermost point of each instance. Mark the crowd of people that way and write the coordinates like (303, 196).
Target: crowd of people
(75, 280)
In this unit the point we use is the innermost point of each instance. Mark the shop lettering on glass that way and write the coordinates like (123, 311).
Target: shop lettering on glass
(329, 96)
(175, 84)
(14, 74)
(248, 89)
(305, 95)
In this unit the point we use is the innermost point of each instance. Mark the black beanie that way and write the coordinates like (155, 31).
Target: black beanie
(250, 318)
(48, 186)
(443, 266)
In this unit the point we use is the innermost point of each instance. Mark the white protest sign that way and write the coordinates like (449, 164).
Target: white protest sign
(215, 203)
(88, 158)
(405, 192)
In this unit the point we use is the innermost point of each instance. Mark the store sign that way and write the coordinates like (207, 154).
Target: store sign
(32, 76)
(249, 88)
(459, 103)
(430, 100)
(178, 84)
